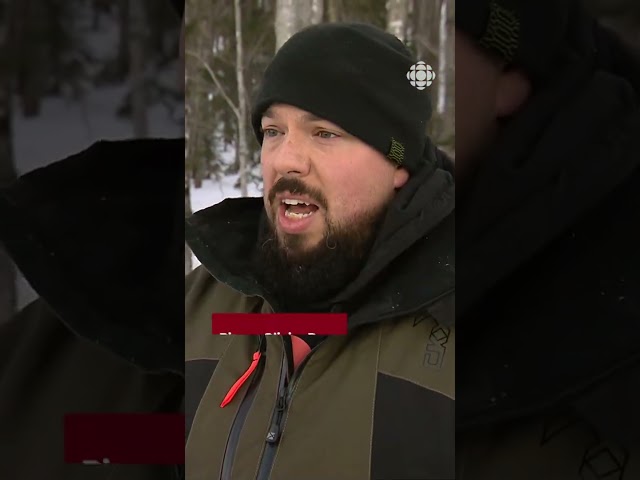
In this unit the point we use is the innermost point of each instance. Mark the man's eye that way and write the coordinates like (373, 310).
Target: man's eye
(325, 134)
(269, 132)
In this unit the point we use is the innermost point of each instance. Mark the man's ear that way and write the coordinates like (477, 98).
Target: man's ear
(513, 90)
(400, 177)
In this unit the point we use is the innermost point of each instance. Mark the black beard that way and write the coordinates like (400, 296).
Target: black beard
(300, 278)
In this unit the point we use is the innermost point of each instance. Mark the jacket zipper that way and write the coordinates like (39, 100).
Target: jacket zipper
(241, 415)
(285, 392)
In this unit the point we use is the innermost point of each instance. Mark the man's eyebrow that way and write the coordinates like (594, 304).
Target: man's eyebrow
(305, 117)
(268, 113)
(310, 117)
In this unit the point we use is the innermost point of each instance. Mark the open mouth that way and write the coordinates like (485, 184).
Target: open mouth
(296, 215)
(297, 209)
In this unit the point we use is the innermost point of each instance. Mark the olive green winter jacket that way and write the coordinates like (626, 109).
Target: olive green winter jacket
(376, 404)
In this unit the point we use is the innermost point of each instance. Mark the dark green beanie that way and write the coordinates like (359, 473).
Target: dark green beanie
(353, 75)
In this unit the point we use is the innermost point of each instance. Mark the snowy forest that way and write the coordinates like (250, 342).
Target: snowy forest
(221, 79)
(73, 72)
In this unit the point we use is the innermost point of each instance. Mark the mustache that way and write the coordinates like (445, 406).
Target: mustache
(297, 187)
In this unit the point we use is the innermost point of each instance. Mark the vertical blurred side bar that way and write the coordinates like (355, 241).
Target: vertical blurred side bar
(92, 121)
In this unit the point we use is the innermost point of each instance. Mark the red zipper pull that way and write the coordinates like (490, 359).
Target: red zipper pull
(236, 386)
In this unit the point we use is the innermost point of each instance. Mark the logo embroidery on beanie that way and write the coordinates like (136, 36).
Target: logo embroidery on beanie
(503, 31)
(396, 152)
(421, 75)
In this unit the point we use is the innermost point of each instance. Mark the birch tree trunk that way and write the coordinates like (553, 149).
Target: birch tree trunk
(397, 12)
(137, 30)
(242, 104)
(333, 10)
(285, 21)
(294, 15)
(7, 169)
(317, 11)
(432, 33)
(418, 29)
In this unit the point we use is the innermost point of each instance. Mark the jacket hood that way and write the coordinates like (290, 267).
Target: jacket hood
(411, 265)
(548, 238)
(99, 236)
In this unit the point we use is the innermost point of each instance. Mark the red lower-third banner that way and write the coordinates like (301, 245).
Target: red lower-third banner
(124, 438)
(279, 323)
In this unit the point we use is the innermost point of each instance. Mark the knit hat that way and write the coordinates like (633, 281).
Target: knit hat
(535, 35)
(353, 75)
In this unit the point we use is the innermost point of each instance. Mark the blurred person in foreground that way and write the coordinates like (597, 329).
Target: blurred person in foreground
(99, 236)
(548, 304)
(357, 217)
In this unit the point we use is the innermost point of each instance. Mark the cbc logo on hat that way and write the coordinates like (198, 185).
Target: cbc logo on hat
(421, 75)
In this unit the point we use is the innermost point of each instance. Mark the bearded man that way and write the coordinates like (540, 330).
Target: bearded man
(357, 218)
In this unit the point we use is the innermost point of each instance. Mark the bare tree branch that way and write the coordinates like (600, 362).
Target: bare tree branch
(214, 77)
(256, 47)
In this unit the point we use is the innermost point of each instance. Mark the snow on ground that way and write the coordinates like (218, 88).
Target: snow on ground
(65, 127)
(213, 192)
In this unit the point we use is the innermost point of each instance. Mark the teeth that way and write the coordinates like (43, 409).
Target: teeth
(297, 216)
(294, 202)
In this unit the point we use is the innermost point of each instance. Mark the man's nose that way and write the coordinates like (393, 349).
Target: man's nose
(292, 157)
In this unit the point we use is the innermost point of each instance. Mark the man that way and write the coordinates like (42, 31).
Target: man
(357, 217)
(548, 372)
(99, 236)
